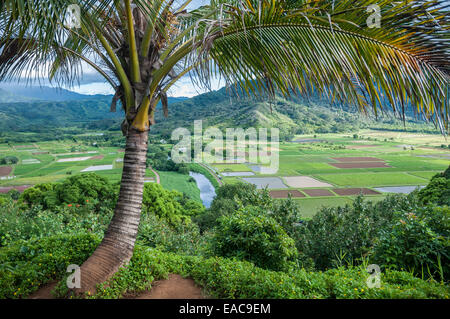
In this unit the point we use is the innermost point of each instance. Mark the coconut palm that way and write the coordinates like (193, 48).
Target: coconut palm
(335, 49)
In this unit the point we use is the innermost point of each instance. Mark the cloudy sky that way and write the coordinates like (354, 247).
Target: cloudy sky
(92, 83)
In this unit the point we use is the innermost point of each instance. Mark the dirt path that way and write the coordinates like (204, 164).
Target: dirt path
(45, 292)
(176, 287)
(158, 179)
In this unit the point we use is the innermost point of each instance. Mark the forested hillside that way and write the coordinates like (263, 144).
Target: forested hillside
(219, 108)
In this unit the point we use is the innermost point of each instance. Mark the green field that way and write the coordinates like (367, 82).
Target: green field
(181, 183)
(413, 159)
(373, 179)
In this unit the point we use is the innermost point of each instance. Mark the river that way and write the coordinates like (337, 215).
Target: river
(207, 190)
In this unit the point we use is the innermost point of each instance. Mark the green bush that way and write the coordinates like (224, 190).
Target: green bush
(25, 266)
(158, 233)
(234, 279)
(418, 242)
(169, 205)
(438, 190)
(79, 189)
(251, 235)
(336, 236)
(33, 223)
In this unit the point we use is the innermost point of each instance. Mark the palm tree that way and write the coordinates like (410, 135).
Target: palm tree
(306, 47)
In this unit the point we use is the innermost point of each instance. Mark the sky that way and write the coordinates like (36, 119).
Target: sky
(92, 83)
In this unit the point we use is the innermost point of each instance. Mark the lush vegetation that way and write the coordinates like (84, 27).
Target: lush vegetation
(49, 120)
(247, 245)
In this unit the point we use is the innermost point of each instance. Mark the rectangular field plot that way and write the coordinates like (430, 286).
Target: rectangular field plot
(360, 165)
(263, 182)
(5, 170)
(373, 179)
(354, 191)
(310, 206)
(398, 189)
(426, 175)
(318, 192)
(285, 194)
(31, 161)
(304, 182)
(230, 167)
(237, 174)
(357, 159)
(73, 159)
(97, 168)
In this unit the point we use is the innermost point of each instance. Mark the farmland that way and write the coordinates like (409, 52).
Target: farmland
(316, 170)
(46, 162)
(331, 169)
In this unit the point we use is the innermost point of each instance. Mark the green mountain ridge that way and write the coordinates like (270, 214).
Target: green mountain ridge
(217, 108)
(293, 116)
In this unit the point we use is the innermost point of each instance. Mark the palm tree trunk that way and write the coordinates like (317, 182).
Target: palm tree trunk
(116, 249)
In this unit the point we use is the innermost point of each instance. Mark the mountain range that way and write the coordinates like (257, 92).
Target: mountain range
(35, 108)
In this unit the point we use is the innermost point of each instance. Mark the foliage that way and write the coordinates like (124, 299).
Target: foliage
(418, 242)
(183, 240)
(157, 158)
(75, 190)
(170, 205)
(229, 198)
(251, 235)
(438, 190)
(9, 160)
(336, 236)
(234, 279)
(25, 224)
(26, 265)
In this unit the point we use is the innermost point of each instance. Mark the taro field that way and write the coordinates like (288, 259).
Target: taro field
(332, 169)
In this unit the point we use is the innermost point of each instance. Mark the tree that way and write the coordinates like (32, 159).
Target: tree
(252, 235)
(305, 47)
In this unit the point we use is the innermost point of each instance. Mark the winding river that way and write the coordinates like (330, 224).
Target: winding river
(207, 190)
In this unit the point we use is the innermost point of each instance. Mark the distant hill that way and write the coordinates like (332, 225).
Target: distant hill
(293, 116)
(218, 108)
(7, 97)
(20, 93)
(35, 108)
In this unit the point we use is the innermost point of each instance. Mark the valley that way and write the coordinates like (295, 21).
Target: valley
(317, 170)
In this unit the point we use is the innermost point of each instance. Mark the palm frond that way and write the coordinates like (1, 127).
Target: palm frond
(310, 47)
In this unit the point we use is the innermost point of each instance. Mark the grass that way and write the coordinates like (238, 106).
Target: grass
(310, 206)
(232, 168)
(408, 168)
(373, 179)
(181, 183)
(426, 175)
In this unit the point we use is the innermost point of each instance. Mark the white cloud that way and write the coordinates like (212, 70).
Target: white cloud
(93, 88)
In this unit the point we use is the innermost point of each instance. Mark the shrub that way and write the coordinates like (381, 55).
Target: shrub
(438, 190)
(27, 265)
(78, 189)
(34, 223)
(14, 194)
(418, 242)
(234, 279)
(158, 233)
(172, 206)
(229, 199)
(87, 186)
(336, 236)
(41, 194)
(251, 235)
